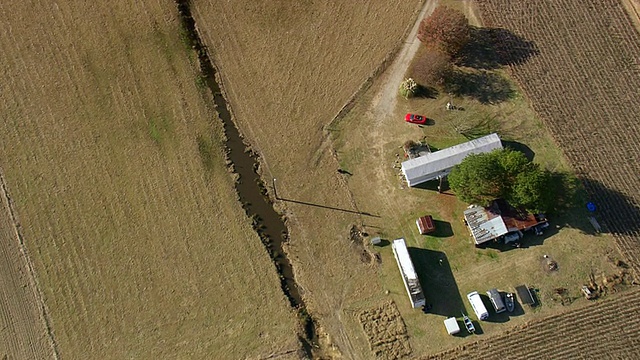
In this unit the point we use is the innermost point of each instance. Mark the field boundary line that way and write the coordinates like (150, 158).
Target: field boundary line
(632, 7)
(33, 279)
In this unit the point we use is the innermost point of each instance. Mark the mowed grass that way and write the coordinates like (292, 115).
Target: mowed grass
(114, 158)
(371, 148)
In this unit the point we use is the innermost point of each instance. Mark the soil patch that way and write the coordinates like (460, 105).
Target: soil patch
(386, 331)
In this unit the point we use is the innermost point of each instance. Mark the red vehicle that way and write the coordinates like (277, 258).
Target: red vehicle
(415, 119)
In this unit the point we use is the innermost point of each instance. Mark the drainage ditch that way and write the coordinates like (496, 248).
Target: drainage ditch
(251, 190)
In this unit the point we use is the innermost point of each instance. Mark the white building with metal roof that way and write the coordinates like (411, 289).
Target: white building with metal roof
(437, 164)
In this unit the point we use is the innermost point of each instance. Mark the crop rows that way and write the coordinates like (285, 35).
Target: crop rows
(608, 330)
(583, 83)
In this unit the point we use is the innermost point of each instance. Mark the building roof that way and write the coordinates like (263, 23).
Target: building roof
(425, 224)
(484, 225)
(525, 295)
(451, 324)
(409, 276)
(497, 220)
(433, 165)
(404, 259)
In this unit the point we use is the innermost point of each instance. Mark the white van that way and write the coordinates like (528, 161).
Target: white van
(477, 305)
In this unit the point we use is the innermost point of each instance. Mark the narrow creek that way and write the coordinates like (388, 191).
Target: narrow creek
(266, 221)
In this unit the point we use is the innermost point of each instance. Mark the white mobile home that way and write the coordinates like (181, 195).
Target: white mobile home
(409, 276)
(437, 164)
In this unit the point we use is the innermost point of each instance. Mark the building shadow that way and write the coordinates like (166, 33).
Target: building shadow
(433, 184)
(493, 316)
(443, 229)
(492, 48)
(437, 281)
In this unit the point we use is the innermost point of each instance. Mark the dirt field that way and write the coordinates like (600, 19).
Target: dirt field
(288, 68)
(140, 246)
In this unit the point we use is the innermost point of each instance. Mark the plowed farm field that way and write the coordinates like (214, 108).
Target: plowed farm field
(114, 160)
(584, 84)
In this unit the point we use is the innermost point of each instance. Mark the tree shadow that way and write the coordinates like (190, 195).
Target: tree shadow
(427, 92)
(492, 48)
(617, 213)
(485, 86)
(518, 146)
(437, 281)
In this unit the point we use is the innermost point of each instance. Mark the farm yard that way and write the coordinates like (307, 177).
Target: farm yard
(124, 232)
(374, 156)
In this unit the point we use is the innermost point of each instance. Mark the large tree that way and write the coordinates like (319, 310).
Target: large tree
(506, 174)
(446, 30)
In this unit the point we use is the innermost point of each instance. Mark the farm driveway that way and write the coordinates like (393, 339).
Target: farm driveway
(384, 102)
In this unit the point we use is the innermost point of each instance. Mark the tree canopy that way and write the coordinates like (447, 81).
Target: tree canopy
(503, 174)
(446, 30)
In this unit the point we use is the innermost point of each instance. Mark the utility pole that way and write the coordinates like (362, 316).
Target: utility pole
(275, 192)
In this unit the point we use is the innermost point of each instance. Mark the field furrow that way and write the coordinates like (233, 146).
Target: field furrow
(610, 323)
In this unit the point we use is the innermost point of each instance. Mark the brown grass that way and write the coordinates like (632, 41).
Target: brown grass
(288, 68)
(141, 250)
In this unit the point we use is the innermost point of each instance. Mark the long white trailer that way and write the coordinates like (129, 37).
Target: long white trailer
(409, 276)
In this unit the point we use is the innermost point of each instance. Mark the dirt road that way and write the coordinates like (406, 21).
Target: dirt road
(385, 100)
(23, 329)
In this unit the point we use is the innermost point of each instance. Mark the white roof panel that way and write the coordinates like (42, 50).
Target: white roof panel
(404, 259)
(432, 165)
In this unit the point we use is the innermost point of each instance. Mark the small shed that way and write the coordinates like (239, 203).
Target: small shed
(425, 224)
(452, 326)
(525, 295)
